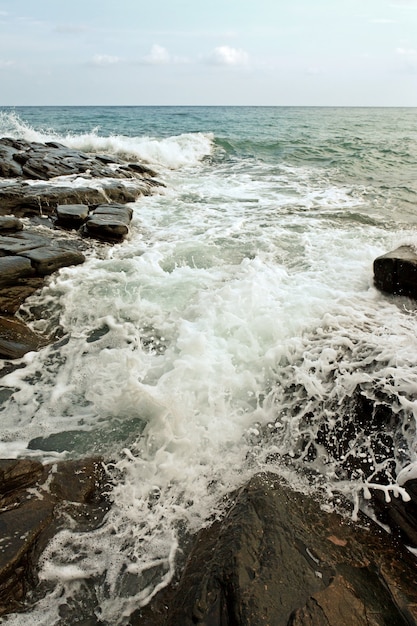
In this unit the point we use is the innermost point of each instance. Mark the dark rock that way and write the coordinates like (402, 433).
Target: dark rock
(16, 339)
(109, 222)
(25, 200)
(12, 296)
(78, 481)
(18, 474)
(37, 161)
(12, 268)
(48, 259)
(400, 516)
(72, 214)
(20, 529)
(396, 272)
(28, 519)
(278, 559)
(21, 242)
(9, 223)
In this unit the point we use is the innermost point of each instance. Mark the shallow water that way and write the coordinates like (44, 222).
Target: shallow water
(232, 331)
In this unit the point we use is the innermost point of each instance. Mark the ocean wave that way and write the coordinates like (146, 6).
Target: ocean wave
(176, 152)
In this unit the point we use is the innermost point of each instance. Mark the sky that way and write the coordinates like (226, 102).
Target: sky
(208, 52)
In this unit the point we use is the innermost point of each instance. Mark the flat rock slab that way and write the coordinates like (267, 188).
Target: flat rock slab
(16, 339)
(109, 222)
(48, 259)
(396, 272)
(278, 559)
(13, 268)
(21, 242)
(72, 213)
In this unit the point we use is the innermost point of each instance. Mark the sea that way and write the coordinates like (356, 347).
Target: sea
(236, 330)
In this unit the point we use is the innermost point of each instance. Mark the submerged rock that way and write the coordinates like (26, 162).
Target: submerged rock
(278, 559)
(396, 272)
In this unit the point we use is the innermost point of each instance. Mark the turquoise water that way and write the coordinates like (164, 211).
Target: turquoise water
(232, 331)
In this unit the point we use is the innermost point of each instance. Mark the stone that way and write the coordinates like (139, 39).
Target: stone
(48, 259)
(73, 214)
(109, 222)
(19, 530)
(399, 515)
(9, 223)
(277, 558)
(21, 242)
(12, 296)
(396, 272)
(16, 339)
(23, 200)
(12, 268)
(28, 519)
(18, 474)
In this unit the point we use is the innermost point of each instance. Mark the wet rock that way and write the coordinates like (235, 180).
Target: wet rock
(13, 268)
(109, 222)
(28, 519)
(38, 161)
(399, 515)
(12, 296)
(72, 215)
(278, 558)
(9, 223)
(21, 242)
(20, 529)
(23, 200)
(48, 259)
(396, 272)
(16, 339)
(18, 474)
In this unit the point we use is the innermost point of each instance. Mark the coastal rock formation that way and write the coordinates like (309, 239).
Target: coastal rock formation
(60, 165)
(278, 558)
(396, 272)
(37, 180)
(35, 502)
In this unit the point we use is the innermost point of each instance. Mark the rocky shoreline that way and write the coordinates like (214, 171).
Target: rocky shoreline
(276, 557)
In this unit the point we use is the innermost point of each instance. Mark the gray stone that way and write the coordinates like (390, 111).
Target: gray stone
(48, 259)
(109, 222)
(72, 213)
(21, 242)
(12, 268)
(396, 272)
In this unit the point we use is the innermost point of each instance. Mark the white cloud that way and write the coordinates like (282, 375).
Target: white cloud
(105, 59)
(225, 55)
(5, 64)
(157, 56)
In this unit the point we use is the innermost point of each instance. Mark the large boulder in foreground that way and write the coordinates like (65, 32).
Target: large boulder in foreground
(396, 272)
(278, 559)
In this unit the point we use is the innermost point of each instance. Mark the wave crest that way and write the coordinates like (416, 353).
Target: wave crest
(176, 152)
